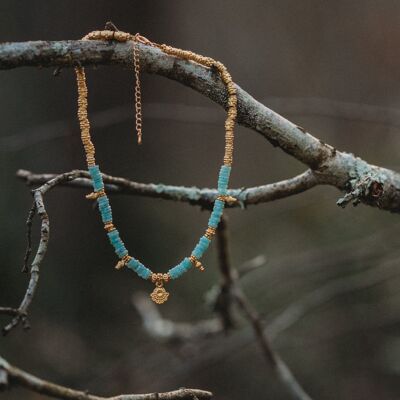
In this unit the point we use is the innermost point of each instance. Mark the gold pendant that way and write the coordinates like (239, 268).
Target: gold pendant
(159, 295)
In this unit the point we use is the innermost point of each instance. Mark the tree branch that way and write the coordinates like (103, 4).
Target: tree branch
(40, 209)
(35, 267)
(325, 293)
(343, 170)
(9, 311)
(166, 330)
(362, 182)
(15, 376)
(230, 293)
(272, 358)
(192, 195)
(77, 178)
(29, 221)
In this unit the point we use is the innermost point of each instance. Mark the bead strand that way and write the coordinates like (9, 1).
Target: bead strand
(83, 116)
(231, 89)
(159, 294)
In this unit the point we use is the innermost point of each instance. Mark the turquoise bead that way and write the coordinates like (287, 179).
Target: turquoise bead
(216, 214)
(143, 272)
(105, 208)
(219, 205)
(187, 264)
(139, 268)
(113, 234)
(133, 263)
(214, 220)
(103, 200)
(119, 246)
(223, 179)
(97, 179)
(121, 252)
(106, 217)
(225, 171)
(180, 269)
(201, 247)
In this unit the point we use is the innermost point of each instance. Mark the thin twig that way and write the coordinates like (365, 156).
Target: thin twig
(179, 112)
(38, 195)
(35, 267)
(18, 377)
(28, 250)
(192, 195)
(167, 330)
(282, 320)
(325, 293)
(252, 265)
(10, 311)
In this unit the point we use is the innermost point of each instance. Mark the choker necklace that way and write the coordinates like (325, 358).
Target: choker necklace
(159, 294)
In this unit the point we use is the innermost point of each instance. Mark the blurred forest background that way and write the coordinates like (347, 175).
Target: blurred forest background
(331, 67)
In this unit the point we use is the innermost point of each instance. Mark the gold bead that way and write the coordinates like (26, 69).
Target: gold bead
(227, 199)
(123, 261)
(109, 226)
(91, 196)
(197, 264)
(95, 195)
(210, 232)
(232, 101)
(120, 264)
(159, 277)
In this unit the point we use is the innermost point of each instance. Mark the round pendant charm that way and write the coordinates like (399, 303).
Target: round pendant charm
(159, 295)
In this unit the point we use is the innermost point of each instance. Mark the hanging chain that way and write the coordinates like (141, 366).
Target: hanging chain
(138, 91)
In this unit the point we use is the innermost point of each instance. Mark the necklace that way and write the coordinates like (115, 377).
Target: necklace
(159, 294)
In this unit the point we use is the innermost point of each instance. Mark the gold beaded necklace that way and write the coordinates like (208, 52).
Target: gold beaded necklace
(159, 294)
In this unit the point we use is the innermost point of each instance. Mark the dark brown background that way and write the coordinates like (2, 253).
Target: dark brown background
(316, 62)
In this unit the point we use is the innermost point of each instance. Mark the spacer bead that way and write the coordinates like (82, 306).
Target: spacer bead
(196, 263)
(210, 232)
(109, 226)
(227, 199)
(95, 195)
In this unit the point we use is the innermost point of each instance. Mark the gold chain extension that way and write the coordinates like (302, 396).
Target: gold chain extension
(138, 91)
